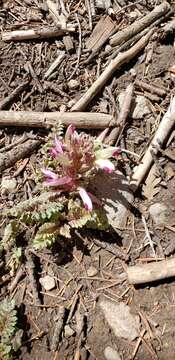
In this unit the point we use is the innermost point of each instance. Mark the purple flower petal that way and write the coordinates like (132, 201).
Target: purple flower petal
(49, 173)
(69, 132)
(65, 180)
(105, 165)
(85, 198)
(102, 135)
(116, 152)
(58, 145)
(53, 152)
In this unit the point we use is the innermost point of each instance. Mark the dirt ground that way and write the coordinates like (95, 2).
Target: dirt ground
(69, 262)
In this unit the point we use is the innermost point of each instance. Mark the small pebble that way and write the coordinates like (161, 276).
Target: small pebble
(160, 213)
(47, 282)
(68, 331)
(111, 354)
(73, 84)
(71, 103)
(8, 185)
(92, 271)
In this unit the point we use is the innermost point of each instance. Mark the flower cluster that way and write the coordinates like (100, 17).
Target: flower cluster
(75, 160)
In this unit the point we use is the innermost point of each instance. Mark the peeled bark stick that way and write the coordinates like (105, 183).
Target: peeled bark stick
(38, 33)
(160, 137)
(61, 55)
(109, 71)
(49, 119)
(10, 98)
(153, 89)
(123, 114)
(9, 158)
(140, 24)
(141, 274)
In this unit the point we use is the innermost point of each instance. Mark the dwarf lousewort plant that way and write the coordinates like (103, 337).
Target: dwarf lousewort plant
(75, 160)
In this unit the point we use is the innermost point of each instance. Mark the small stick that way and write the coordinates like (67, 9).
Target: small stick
(153, 89)
(87, 3)
(141, 274)
(108, 72)
(10, 98)
(92, 5)
(148, 236)
(138, 36)
(140, 24)
(38, 33)
(28, 66)
(58, 328)
(79, 49)
(49, 119)
(122, 117)
(30, 269)
(21, 151)
(20, 273)
(53, 66)
(160, 137)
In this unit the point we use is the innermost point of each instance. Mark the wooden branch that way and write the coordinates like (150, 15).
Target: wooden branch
(160, 137)
(141, 274)
(15, 93)
(140, 24)
(153, 89)
(109, 71)
(9, 158)
(38, 33)
(49, 119)
(123, 114)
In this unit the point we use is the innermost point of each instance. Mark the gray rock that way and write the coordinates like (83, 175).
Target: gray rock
(92, 271)
(68, 331)
(8, 185)
(161, 213)
(73, 84)
(111, 354)
(47, 282)
(120, 320)
(139, 106)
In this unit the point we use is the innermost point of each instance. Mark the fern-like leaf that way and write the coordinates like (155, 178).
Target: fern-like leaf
(10, 233)
(46, 235)
(8, 320)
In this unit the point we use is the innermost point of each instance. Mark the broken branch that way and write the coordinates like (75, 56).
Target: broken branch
(140, 274)
(9, 158)
(161, 135)
(108, 72)
(140, 24)
(38, 33)
(49, 119)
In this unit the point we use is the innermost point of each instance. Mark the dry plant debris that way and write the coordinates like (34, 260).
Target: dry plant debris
(106, 68)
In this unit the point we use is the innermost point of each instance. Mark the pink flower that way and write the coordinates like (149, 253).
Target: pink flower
(105, 165)
(58, 145)
(85, 198)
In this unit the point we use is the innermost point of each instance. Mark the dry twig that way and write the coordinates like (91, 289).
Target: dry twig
(9, 158)
(109, 71)
(140, 24)
(122, 117)
(160, 137)
(58, 328)
(140, 274)
(38, 33)
(48, 119)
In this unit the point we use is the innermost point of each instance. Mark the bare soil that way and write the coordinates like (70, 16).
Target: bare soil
(69, 261)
